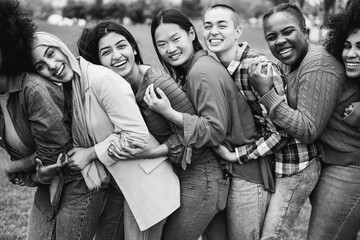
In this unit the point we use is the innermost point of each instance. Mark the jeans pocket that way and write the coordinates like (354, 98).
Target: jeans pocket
(223, 192)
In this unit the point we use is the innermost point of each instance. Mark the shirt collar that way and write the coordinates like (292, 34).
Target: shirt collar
(15, 82)
(241, 51)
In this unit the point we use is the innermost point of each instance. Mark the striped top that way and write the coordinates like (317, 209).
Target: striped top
(159, 126)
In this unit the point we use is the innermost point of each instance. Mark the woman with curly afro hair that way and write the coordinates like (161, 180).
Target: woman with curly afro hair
(336, 199)
(34, 130)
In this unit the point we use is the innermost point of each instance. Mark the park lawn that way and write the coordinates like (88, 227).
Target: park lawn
(15, 201)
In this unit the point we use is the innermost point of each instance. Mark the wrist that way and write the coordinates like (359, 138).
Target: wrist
(92, 154)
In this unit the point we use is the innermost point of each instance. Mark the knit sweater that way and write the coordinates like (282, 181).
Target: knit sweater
(340, 142)
(313, 92)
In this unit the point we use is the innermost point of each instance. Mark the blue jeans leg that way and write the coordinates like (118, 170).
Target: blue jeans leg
(203, 195)
(133, 232)
(336, 204)
(286, 203)
(111, 223)
(246, 209)
(217, 228)
(39, 227)
(78, 217)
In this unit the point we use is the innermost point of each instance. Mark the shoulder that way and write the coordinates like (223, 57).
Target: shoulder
(318, 58)
(207, 65)
(35, 84)
(154, 73)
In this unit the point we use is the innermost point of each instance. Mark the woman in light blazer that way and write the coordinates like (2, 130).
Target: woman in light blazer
(104, 110)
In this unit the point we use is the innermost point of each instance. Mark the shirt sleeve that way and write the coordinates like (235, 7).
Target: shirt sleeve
(118, 101)
(46, 119)
(317, 95)
(180, 102)
(274, 138)
(207, 91)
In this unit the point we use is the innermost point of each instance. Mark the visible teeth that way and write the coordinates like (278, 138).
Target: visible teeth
(286, 50)
(215, 40)
(60, 70)
(175, 56)
(118, 64)
(352, 64)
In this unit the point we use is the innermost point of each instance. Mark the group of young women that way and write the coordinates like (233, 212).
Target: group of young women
(140, 142)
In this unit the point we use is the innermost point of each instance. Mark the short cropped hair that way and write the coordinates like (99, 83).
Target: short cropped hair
(235, 15)
(290, 8)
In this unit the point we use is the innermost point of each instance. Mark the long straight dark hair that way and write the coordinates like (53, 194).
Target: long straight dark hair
(175, 17)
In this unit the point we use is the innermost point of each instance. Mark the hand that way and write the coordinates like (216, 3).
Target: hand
(79, 158)
(161, 105)
(348, 110)
(13, 177)
(137, 151)
(224, 153)
(46, 173)
(261, 80)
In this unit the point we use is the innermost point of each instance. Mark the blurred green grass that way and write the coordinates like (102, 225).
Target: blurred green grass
(15, 201)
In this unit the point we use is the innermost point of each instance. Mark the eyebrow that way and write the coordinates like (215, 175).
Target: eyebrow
(217, 22)
(45, 53)
(161, 40)
(122, 40)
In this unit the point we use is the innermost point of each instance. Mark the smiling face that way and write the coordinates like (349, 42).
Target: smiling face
(220, 31)
(351, 55)
(116, 53)
(52, 64)
(174, 43)
(286, 40)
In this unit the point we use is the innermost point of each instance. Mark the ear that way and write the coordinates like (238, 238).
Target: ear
(192, 33)
(238, 31)
(135, 52)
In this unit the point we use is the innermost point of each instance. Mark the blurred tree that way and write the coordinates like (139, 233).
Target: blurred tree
(329, 8)
(136, 11)
(114, 10)
(75, 9)
(96, 10)
(192, 8)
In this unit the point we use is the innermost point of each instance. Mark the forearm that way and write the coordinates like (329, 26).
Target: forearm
(27, 164)
(264, 146)
(175, 117)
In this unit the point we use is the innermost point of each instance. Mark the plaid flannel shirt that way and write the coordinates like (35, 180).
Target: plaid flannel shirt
(291, 156)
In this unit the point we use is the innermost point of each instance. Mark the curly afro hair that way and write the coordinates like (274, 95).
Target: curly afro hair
(16, 36)
(340, 26)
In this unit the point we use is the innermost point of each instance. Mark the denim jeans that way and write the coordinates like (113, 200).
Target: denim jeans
(246, 208)
(111, 223)
(336, 204)
(288, 199)
(203, 195)
(133, 232)
(77, 218)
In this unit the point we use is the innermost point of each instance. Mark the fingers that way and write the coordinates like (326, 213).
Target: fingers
(269, 70)
(72, 152)
(151, 91)
(39, 163)
(161, 93)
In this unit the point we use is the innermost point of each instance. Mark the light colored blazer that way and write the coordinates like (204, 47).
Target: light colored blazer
(150, 186)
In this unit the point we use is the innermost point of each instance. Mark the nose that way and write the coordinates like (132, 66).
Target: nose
(214, 30)
(171, 48)
(116, 54)
(280, 40)
(51, 64)
(352, 52)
